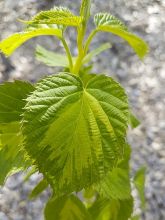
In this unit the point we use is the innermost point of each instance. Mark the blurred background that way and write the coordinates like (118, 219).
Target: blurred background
(144, 82)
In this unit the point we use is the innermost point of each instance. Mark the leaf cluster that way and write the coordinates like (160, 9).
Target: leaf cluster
(71, 126)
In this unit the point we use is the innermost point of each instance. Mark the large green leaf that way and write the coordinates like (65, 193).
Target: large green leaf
(77, 130)
(57, 15)
(107, 22)
(116, 185)
(10, 44)
(66, 208)
(12, 100)
(111, 186)
(105, 209)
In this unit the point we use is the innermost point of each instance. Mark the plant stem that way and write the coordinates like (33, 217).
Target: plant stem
(90, 38)
(68, 53)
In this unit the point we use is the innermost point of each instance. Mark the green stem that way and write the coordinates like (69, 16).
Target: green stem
(88, 42)
(68, 53)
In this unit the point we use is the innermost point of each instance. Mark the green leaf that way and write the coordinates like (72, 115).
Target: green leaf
(51, 58)
(134, 122)
(78, 131)
(116, 185)
(12, 100)
(57, 15)
(85, 9)
(139, 181)
(108, 23)
(39, 188)
(95, 52)
(12, 157)
(66, 208)
(105, 209)
(10, 44)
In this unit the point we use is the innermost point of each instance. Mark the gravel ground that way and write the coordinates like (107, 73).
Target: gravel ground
(144, 82)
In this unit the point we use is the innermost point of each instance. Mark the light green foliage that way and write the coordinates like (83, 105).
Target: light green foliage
(10, 44)
(95, 115)
(108, 23)
(66, 208)
(71, 126)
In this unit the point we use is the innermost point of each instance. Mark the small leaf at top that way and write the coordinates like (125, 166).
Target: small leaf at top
(85, 9)
(108, 23)
(57, 15)
(78, 130)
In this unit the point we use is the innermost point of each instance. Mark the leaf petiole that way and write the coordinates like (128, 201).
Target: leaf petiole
(68, 53)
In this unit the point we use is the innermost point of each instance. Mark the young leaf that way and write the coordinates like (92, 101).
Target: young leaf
(79, 131)
(85, 9)
(12, 100)
(10, 44)
(95, 52)
(57, 15)
(66, 208)
(108, 23)
(51, 58)
(139, 181)
(39, 188)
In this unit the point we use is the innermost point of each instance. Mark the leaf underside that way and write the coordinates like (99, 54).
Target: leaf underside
(50, 58)
(79, 132)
